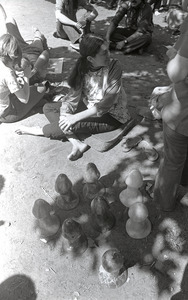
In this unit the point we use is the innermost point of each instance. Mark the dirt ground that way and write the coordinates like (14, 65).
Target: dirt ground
(29, 166)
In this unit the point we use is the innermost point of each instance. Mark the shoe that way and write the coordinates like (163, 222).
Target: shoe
(131, 143)
(150, 152)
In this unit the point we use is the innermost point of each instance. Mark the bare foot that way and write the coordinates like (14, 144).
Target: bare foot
(77, 151)
(29, 130)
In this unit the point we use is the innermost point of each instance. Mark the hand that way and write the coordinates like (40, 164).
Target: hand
(66, 121)
(82, 23)
(79, 27)
(27, 71)
(171, 53)
(120, 45)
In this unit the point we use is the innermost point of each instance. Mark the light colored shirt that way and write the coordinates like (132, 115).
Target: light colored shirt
(8, 85)
(97, 90)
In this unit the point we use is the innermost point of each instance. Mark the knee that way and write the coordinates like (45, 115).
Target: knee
(45, 55)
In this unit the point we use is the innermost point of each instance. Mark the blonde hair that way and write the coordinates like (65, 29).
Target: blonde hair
(10, 50)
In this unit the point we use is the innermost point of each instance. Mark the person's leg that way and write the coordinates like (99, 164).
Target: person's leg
(140, 42)
(171, 167)
(41, 64)
(96, 125)
(120, 34)
(39, 40)
(60, 33)
(66, 32)
(52, 130)
(91, 125)
(19, 110)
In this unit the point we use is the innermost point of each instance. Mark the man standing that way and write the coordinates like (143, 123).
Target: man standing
(172, 177)
(137, 32)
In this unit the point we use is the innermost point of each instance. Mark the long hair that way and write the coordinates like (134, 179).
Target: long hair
(90, 45)
(10, 50)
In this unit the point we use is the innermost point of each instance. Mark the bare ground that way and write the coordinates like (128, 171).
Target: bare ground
(30, 165)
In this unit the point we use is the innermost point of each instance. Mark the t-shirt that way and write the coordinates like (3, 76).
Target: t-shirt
(69, 7)
(8, 85)
(98, 90)
(139, 19)
(175, 112)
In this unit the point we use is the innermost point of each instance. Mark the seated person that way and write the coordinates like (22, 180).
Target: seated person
(96, 102)
(176, 14)
(37, 52)
(66, 21)
(17, 98)
(137, 32)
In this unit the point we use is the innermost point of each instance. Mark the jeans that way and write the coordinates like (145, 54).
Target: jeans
(90, 125)
(173, 169)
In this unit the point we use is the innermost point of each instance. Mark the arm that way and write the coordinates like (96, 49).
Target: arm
(18, 85)
(64, 20)
(61, 16)
(116, 20)
(24, 93)
(90, 15)
(144, 24)
(67, 120)
(92, 12)
(177, 68)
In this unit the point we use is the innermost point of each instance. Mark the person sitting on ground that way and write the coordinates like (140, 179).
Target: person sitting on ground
(172, 176)
(96, 102)
(16, 97)
(37, 52)
(176, 15)
(137, 32)
(67, 26)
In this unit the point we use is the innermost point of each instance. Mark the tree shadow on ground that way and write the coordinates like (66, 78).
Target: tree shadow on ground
(2, 182)
(18, 286)
(154, 255)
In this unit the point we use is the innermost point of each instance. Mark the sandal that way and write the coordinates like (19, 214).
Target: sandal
(131, 143)
(150, 152)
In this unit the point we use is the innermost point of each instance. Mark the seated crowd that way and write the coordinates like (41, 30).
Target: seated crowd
(96, 101)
